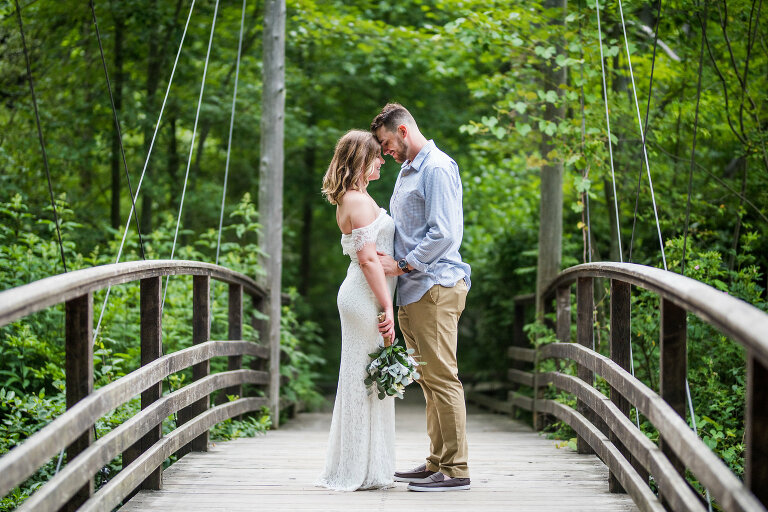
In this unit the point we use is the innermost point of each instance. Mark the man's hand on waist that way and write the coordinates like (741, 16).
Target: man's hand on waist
(390, 265)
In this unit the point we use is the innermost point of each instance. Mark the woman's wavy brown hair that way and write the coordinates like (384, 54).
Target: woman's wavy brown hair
(352, 161)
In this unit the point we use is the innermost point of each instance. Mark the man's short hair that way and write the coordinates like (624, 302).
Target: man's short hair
(392, 116)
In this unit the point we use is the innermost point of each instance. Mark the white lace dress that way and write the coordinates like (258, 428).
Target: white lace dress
(361, 444)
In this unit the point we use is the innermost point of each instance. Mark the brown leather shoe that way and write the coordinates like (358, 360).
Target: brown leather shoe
(441, 484)
(418, 474)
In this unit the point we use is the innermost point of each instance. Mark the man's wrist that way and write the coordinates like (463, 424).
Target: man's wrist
(404, 266)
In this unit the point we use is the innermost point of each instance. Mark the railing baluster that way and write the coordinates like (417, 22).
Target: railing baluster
(201, 332)
(585, 300)
(756, 426)
(564, 314)
(235, 331)
(673, 366)
(79, 377)
(621, 353)
(151, 349)
(518, 340)
(259, 303)
(518, 333)
(563, 332)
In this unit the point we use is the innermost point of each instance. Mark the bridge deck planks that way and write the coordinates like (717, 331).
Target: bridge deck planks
(513, 468)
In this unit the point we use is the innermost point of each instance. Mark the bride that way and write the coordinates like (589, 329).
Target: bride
(361, 444)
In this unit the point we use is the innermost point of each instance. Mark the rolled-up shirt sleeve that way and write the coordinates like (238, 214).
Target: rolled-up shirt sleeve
(442, 209)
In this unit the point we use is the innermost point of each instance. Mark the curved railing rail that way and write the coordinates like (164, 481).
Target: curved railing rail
(602, 423)
(139, 439)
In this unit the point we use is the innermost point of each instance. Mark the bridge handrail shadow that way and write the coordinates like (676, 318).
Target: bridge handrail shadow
(140, 438)
(603, 425)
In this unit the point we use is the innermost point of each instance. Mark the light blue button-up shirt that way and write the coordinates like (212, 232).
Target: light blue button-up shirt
(429, 223)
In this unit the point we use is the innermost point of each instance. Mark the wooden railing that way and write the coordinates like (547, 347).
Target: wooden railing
(139, 439)
(602, 423)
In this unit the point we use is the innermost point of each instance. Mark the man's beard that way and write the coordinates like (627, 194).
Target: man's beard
(401, 152)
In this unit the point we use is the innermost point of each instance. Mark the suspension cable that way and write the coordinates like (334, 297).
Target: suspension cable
(585, 174)
(231, 126)
(643, 131)
(40, 135)
(117, 127)
(690, 187)
(642, 136)
(618, 226)
(688, 202)
(645, 128)
(191, 145)
(608, 127)
(144, 170)
(695, 130)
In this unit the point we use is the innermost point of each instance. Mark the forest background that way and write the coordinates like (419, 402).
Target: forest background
(507, 88)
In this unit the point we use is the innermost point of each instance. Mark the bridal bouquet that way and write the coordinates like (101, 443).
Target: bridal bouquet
(390, 370)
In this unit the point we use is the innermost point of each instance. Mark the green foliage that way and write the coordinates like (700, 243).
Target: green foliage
(301, 346)
(249, 426)
(21, 416)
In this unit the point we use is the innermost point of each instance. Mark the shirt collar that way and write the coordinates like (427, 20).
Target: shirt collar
(416, 163)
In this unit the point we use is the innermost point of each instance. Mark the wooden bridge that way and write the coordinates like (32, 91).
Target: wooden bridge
(512, 466)
(617, 467)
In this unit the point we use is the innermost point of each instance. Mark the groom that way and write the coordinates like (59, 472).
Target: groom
(431, 290)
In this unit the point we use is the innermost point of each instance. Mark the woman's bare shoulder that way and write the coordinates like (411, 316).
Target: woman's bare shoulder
(356, 210)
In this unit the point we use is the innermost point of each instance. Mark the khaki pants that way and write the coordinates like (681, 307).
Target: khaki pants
(429, 326)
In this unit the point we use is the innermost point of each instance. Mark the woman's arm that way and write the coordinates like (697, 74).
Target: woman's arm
(374, 274)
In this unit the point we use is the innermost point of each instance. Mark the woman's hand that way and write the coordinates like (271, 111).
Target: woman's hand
(387, 326)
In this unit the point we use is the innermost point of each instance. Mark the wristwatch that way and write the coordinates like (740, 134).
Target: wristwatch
(403, 265)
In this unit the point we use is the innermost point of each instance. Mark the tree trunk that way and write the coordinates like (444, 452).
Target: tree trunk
(614, 245)
(271, 181)
(154, 61)
(173, 162)
(737, 228)
(619, 84)
(551, 206)
(117, 83)
(87, 134)
(305, 264)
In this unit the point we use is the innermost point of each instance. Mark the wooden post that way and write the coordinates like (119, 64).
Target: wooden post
(518, 334)
(756, 423)
(518, 340)
(151, 349)
(621, 353)
(585, 299)
(564, 314)
(271, 181)
(673, 366)
(563, 331)
(201, 332)
(261, 327)
(79, 377)
(235, 331)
